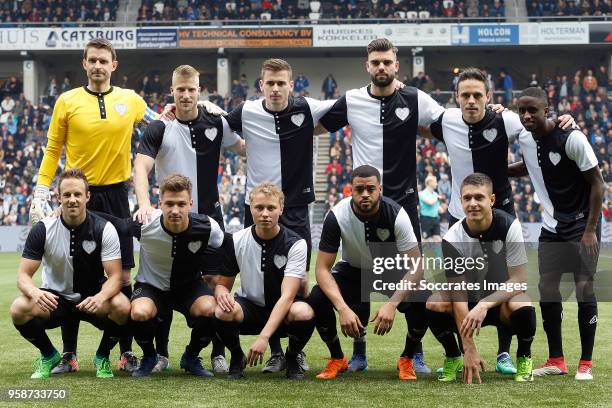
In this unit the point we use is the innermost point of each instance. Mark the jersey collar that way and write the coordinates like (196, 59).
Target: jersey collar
(187, 122)
(371, 219)
(172, 234)
(97, 93)
(287, 109)
(483, 236)
(382, 98)
(78, 227)
(260, 240)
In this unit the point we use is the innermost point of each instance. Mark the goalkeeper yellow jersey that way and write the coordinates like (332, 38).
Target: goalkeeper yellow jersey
(96, 129)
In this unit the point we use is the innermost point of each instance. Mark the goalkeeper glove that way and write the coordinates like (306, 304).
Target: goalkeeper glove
(40, 207)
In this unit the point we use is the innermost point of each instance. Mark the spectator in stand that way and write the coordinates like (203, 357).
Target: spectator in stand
(334, 166)
(300, 85)
(507, 85)
(329, 87)
(589, 83)
(155, 86)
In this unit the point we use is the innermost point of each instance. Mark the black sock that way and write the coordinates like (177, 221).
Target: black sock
(229, 334)
(587, 324)
(34, 332)
(299, 333)
(143, 334)
(275, 345)
(442, 327)
(504, 339)
(335, 349)
(201, 335)
(125, 341)
(413, 342)
(162, 333)
(552, 315)
(359, 345)
(218, 349)
(110, 338)
(70, 334)
(523, 322)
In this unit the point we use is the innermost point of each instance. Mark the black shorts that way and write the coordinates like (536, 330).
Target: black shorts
(493, 317)
(256, 317)
(410, 206)
(66, 311)
(431, 226)
(179, 299)
(297, 219)
(113, 200)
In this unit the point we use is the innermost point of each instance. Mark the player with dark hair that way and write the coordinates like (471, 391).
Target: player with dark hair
(565, 173)
(75, 249)
(485, 247)
(356, 222)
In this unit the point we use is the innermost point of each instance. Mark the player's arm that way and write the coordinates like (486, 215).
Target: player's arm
(472, 362)
(429, 110)
(143, 164)
(580, 151)
(335, 118)
(231, 140)
(408, 248)
(110, 256)
(31, 258)
(225, 281)
(517, 169)
(328, 249)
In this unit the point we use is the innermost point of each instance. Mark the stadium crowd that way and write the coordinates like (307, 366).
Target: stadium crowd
(58, 11)
(23, 125)
(565, 8)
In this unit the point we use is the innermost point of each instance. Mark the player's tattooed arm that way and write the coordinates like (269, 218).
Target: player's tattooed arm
(517, 169)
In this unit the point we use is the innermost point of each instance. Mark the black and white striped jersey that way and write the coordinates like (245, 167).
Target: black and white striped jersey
(72, 256)
(343, 226)
(498, 248)
(384, 133)
(555, 163)
(192, 149)
(480, 147)
(263, 264)
(169, 261)
(279, 145)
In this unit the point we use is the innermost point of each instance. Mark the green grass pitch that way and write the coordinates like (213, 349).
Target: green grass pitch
(378, 387)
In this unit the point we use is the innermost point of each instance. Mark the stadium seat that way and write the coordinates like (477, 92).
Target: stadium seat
(448, 3)
(265, 16)
(401, 14)
(397, 2)
(159, 6)
(315, 6)
(423, 15)
(314, 17)
(412, 15)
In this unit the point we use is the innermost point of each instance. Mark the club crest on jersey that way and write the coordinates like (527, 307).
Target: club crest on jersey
(210, 133)
(194, 246)
(497, 246)
(402, 113)
(121, 108)
(298, 119)
(383, 233)
(489, 134)
(89, 246)
(280, 261)
(554, 157)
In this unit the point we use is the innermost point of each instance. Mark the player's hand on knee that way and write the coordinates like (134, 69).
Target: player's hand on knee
(144, 214)
(40, 208)
(213, 109)
(350, 323)
(257, 351)
(91, 304)
(383, 319)
(47, 301)
(225, 300)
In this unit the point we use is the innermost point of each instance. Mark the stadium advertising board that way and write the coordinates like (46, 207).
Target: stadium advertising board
(400, 34)
(64, 38)
(245, 37)
(554, 33)
(485, 34)
(600, 33)
(156, 38)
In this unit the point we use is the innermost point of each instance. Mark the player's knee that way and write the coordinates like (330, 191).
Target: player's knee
(120, 307)
(204, 306)
(19, 310)
(141, 312)
(300, 311)
(224, 316)
(435, 303)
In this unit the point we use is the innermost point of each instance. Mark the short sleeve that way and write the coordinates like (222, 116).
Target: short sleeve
(429, 109)
(515, 245)
(336, 118)
(513, 125)
(34, 247)
(234, 118)
(436, 128)
(451, 255)
(152, 139)
(140, 107)
(330, 234)
(296, 260)
(110, 244)
(215, 239)
(229, 137)
(319, 108)
(229, 252)
(404, 234)
(579, 150)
